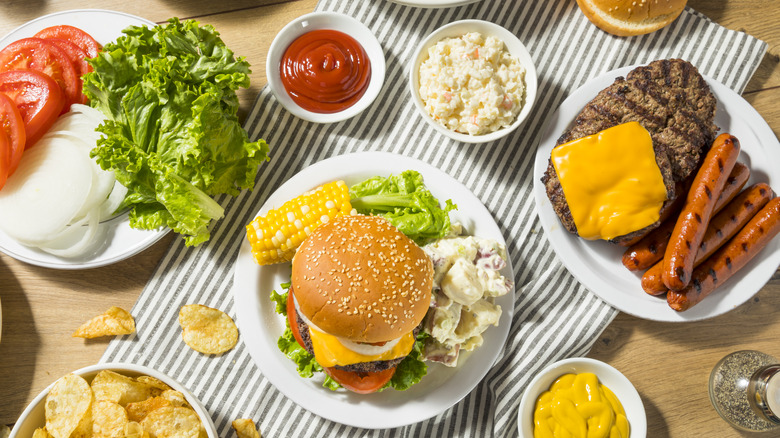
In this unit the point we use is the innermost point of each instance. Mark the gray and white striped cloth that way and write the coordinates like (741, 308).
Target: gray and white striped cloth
(555, 317)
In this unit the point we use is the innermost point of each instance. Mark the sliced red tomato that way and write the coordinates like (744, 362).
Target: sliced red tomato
(78, 58)
(361, 383)
(293, 320)
(12, 128)
(74, 35)
(45, 57)
(38, 98)
(5, 158)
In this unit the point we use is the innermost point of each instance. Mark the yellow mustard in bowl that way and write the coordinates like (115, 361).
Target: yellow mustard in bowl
(578, 406)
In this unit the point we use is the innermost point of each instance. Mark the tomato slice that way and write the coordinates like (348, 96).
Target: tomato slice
(38, 98)
(361, 383)
(293, 319)
(41, 55)
(78, 58)
(74, 35)
(5, 158)
(12, 128)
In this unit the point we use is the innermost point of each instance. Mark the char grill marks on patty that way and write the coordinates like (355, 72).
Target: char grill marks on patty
(672, 101)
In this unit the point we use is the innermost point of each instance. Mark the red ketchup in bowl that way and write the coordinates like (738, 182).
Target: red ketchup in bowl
(325, 71)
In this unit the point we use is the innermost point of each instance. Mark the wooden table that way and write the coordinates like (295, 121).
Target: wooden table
(668, 363)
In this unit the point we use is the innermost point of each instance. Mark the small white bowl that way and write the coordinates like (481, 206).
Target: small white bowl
(33, 416)
(608, 376)
(334, 21)
(486, 28)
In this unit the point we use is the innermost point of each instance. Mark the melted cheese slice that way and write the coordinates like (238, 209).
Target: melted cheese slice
(329, 351)
(611, 181)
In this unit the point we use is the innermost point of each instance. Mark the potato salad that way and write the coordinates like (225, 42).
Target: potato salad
(466, 281)
(471, 84)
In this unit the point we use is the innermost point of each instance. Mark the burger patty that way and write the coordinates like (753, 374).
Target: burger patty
(364, 367)
(673, 102)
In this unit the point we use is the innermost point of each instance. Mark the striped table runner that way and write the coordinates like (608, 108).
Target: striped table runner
(555, 317)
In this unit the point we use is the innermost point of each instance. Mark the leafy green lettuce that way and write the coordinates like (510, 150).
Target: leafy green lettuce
(405, 201)
(410, 371)
(172, 135)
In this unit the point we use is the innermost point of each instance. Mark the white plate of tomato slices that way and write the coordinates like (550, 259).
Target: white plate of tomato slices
(261, 327)
(117, 241)
(597, 264)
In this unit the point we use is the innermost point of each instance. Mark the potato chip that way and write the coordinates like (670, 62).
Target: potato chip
(68, 408)
(116, 321)
(108, 419)
(175, 397)
(38, 433)
(245, 428)
(117, 388)
(135, 430)
(172, 421)
(139, 410)
(154, 382)
(207, 330)
(5, 431)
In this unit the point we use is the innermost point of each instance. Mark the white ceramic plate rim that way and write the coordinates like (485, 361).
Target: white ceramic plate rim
(434, 3)
(597, 265)
(325, 20)
(24, 427)
(608, 376)
(513, 45)
(261, 327)
(122, 241)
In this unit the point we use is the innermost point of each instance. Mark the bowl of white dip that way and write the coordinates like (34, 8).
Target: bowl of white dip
(473, 81)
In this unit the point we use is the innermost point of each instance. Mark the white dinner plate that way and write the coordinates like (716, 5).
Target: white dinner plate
(434, 3)
(597, 264)
(119, 240)
(260, 326)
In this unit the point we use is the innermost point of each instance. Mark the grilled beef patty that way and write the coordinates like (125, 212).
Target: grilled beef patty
(379, 365)
(673, 102)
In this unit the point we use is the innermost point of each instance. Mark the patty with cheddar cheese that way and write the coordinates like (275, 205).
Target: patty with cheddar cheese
(673, 102)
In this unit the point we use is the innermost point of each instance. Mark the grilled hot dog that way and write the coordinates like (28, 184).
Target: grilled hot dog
(697, 211)
(651, 248)
(722, 227)
(730, 258)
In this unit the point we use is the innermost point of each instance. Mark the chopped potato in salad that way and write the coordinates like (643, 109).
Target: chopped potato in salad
(466, 281)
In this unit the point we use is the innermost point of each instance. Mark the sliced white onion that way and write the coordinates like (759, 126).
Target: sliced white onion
(115, 198)
(76, 239)
(46, 192)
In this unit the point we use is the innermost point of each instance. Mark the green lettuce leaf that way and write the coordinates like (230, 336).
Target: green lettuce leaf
(405, 201)
(172, 134)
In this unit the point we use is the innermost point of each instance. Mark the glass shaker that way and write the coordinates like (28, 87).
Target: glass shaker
(745, 390)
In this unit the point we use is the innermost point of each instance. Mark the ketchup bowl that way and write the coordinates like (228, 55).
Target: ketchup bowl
(325, 67)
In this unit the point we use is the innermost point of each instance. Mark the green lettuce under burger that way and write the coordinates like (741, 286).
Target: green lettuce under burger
(172, 135)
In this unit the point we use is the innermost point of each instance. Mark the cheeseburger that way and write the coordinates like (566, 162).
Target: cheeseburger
(359, 291)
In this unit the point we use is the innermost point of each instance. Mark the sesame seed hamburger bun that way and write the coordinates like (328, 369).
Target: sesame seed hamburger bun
(631, 17)
(359, 278)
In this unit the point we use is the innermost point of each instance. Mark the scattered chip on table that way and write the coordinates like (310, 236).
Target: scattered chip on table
(207, 330)
(245, 428)
(5, 431)
(68, 407)
(115, 321)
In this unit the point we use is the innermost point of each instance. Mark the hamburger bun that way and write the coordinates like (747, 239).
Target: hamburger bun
(631, 17)
(358, 277)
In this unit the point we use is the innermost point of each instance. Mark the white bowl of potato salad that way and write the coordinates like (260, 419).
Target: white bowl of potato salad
(115, 399)
(473, 81)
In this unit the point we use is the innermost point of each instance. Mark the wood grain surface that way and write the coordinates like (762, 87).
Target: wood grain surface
(668, 363)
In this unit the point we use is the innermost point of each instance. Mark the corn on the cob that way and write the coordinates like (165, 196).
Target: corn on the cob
(275, 236)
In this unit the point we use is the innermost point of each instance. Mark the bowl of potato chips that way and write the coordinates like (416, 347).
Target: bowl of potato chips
(115, 399)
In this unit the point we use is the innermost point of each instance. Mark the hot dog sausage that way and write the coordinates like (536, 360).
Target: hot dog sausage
(730, 258)
(697, 211)
(651, 248)
(722, 227)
